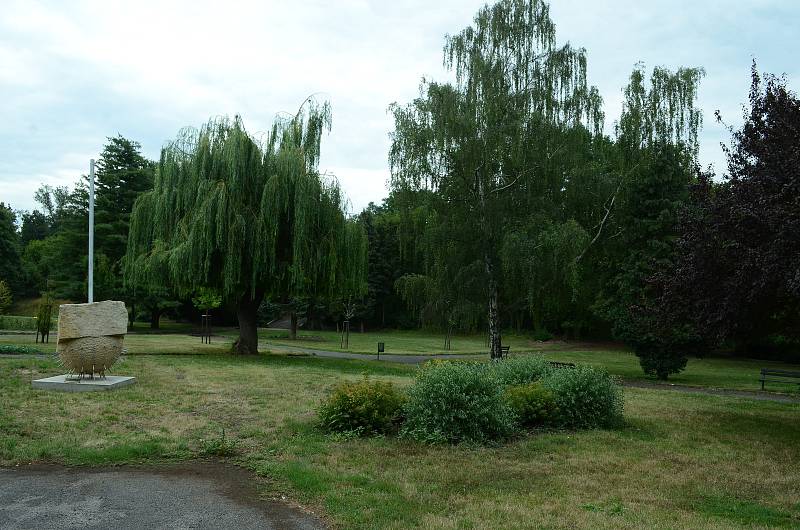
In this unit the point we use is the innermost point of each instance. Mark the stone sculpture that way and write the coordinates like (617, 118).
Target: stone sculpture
(90, 336)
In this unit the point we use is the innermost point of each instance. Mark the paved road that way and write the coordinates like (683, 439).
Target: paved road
(727, 392)
(196, 496)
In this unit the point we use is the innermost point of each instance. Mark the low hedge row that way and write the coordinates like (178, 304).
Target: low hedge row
(20, 323)
(456, 402)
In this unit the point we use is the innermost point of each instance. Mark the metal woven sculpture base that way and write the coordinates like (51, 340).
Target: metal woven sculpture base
(90, 355)
(90, 336)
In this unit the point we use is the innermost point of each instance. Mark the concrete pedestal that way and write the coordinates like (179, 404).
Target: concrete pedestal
(70, 383)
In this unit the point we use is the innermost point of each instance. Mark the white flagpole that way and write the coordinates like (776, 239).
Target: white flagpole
(91, 230)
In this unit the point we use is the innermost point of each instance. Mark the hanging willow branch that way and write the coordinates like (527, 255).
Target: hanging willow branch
(247, 217)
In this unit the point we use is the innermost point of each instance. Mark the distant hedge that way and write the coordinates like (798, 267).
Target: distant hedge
(18, 323)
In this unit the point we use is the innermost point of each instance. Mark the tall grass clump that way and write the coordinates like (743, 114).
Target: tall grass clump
(455, 402)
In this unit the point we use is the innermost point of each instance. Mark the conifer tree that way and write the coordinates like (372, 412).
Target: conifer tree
(122, 174)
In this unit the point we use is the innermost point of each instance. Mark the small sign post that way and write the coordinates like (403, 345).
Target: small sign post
(380, 350)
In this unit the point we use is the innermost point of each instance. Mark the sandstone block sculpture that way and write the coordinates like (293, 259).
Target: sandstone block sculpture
(90, 336)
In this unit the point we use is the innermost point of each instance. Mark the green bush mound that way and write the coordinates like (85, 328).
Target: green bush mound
(586, 397)
(363, 408)
(533, 405)
(457, 402)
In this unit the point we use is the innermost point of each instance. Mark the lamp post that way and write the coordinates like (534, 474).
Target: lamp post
(91, 230)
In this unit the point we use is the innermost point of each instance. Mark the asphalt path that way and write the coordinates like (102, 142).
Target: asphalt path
(199, 495)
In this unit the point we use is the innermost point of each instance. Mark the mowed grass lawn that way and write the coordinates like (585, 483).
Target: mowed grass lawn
(682, 461)
(396, 341)
(713, 372)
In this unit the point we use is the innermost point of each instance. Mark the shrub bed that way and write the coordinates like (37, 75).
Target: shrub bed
(454, 402)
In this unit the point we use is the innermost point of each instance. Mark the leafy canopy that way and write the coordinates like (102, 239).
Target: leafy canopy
(243, 216)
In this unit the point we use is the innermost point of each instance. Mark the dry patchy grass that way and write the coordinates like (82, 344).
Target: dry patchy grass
(682, 461)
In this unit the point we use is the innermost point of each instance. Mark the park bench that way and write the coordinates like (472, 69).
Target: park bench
(779, 376)
(504, 351)
(556, 364)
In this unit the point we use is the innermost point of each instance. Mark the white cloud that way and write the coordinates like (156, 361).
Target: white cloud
(72, 73)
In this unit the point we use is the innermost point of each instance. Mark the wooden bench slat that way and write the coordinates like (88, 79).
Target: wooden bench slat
(779, 376)
(787, 373)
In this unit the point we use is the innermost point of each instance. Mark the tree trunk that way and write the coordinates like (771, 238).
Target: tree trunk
(493, 314)
(247, 312)
(132, 316)
(495, 340)
(293, 325)
(155, 318)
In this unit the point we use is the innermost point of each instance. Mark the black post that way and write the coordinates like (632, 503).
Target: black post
(205, 328)
(345, 342)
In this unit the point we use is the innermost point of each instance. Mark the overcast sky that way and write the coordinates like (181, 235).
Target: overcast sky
(73, 73)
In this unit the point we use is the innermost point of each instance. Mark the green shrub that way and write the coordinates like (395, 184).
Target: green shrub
(542, 335)
(457, 402)
(585, 397)
(521, 370)
(533, 404)
(363, 407)
(661, 359)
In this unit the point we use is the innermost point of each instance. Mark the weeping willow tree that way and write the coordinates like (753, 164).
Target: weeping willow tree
(246, 219)
(490, 144)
